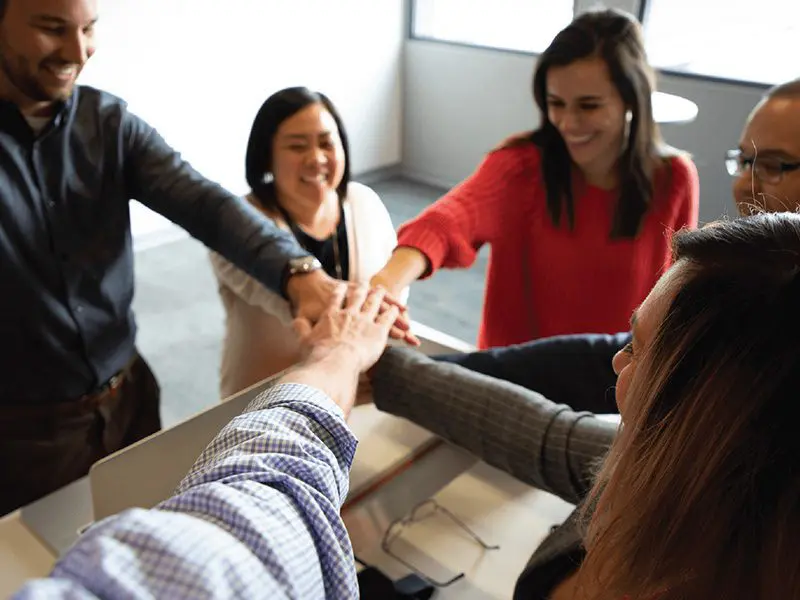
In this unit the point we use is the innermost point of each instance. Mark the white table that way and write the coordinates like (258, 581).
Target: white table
(22, 555)
(32, 538)
(669, 108)
(499, 508)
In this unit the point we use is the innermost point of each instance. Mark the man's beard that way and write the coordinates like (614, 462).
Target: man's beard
(17, 72)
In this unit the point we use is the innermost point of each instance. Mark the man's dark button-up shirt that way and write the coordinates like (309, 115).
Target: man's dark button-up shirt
(66, 260)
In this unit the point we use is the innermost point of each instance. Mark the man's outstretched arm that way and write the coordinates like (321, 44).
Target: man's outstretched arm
(258, 515)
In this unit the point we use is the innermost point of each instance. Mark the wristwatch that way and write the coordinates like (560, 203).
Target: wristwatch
(306, 264)
(299, 266)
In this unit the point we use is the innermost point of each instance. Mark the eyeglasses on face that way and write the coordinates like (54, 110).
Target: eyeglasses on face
(768, 170)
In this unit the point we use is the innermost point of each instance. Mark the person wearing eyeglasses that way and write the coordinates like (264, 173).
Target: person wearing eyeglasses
(766, 164)
(575, 369)
(694, 498)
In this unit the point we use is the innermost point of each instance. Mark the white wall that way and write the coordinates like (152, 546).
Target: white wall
(198, 70)
(458, 103)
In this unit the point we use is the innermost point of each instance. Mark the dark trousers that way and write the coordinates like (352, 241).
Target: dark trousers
(43, 448)
(570, 369)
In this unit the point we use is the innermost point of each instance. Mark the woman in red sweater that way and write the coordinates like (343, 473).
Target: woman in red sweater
(579, 213)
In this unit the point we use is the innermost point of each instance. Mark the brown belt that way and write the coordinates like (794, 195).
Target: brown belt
(85, 404)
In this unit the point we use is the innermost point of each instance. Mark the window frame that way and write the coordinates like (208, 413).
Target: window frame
(644, 13)
(411, 35)
(640, 8)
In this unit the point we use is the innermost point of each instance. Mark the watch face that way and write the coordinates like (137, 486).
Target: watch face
(304, 265)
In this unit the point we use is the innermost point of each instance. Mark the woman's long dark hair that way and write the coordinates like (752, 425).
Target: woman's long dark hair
(616, 38)
(275, 110)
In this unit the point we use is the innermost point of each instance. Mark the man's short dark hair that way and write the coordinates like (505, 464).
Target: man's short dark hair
(790, 88)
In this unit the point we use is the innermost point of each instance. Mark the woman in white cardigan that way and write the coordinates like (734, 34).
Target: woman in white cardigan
(297, 167)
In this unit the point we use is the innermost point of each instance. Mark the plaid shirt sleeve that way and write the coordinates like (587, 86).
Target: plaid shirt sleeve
(257, 517)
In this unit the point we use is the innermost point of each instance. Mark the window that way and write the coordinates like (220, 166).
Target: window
(522, 25)
(731, 39)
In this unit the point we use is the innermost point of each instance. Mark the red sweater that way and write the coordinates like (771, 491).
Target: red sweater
(578, 281)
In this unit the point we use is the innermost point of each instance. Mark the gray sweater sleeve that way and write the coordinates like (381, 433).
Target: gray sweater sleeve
(543, 444)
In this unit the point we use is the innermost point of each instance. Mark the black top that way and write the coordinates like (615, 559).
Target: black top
(323, 249)
(66, 259)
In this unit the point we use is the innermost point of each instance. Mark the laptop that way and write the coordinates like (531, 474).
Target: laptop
(148, 471)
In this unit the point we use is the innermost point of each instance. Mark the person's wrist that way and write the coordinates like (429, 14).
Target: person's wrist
(331, 369)
(408, 264)
(299, 283)
(340, 356)
(292, 285)
(298, 273)
(381, 280)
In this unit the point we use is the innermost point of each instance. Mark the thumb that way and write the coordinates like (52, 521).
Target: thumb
(301, 326)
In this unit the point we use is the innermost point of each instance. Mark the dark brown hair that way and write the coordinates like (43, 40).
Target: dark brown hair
(700, 494)
(275, 110)
(616, 38)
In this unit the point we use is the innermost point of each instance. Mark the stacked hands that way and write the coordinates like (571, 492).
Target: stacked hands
(354, 330)
(310, 297)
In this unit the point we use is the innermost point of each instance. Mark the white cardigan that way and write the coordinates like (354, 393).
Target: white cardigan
(259, 340)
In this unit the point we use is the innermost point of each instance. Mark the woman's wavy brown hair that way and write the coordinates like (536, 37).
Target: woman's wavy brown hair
(615, 37)
(700, 495)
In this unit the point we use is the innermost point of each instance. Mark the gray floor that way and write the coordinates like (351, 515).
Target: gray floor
(181, 320)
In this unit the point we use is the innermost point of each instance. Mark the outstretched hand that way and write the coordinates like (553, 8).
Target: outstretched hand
(310, 296)
(355, 322)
